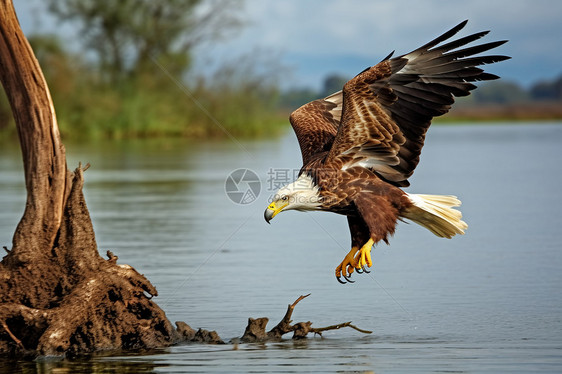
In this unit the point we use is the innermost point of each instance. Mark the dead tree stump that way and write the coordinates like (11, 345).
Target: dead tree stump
(57, 294)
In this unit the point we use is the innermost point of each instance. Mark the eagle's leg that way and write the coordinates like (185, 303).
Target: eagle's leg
(346, 267)
(359, 235)
(379, 214)
(362, 259)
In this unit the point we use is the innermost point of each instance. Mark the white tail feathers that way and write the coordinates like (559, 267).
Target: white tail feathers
(436, 213)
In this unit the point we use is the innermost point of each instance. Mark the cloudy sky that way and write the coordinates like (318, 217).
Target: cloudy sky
(314, 38)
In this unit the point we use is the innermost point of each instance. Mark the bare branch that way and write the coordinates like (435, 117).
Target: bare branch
(18, 342)
(320, 330)
(255, 331)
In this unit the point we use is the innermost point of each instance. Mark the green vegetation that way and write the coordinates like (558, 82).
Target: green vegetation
(503, 100)
(498, 100)
(133, 77)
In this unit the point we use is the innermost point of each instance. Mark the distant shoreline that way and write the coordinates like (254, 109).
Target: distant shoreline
(278, 123)
(526, 111)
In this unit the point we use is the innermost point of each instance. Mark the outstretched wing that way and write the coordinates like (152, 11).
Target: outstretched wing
(388, 108)
(316, 124)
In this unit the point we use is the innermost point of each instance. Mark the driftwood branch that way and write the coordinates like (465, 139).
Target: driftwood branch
(320, 330)
(284, 326)
(255, 331)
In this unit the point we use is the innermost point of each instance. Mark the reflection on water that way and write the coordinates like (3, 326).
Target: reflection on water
(485, 302)
(90, 365)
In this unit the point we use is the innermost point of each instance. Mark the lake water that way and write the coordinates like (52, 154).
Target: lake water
(489, 301)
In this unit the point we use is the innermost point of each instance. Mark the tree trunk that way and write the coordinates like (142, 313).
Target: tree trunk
(57, 294)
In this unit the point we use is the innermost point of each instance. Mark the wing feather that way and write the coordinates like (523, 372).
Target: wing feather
(386, 109)
(316, 125)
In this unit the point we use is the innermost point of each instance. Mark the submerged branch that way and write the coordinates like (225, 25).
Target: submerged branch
(255, 331)
(320, 330)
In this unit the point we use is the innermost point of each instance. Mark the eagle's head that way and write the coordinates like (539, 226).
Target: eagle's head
(303, 194)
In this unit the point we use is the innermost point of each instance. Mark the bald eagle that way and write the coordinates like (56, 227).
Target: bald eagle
(361, 144)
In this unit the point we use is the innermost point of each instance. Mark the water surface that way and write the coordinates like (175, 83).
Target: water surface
(488, 301)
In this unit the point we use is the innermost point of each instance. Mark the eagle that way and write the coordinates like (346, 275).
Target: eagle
(361, 144)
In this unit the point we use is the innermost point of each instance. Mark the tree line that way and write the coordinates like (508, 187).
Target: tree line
(132, 75)
(500, 92)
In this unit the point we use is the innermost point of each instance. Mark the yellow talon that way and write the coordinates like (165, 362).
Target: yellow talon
(347, 266)
(363, 257)
(355, 259)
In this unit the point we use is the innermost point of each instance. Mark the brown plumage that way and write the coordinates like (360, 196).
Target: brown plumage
(361, 144)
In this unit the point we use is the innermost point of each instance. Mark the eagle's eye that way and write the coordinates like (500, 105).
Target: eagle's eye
(284, 197)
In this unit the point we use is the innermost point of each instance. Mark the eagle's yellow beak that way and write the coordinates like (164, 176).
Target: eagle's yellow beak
(272, 210)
